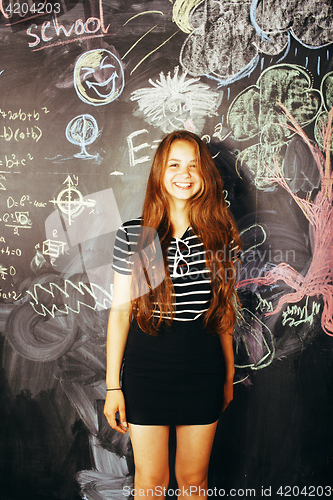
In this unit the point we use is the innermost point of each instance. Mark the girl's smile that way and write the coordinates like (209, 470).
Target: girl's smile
(182, 179)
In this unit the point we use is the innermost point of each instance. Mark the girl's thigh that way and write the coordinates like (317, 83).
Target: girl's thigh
(194, 445)
(150, 450)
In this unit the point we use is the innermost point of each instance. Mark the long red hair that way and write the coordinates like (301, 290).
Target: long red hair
(211, 222)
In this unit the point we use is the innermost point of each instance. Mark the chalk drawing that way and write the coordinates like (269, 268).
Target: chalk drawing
(326, 89)
(98, 77)
(70, 201)
(253, 113)
(53, 248)
(66, 292)
(82, 131)
(227, 37)
(319, 212)
(253, 336)
(310, 22)
(303, 314)
(176, 102)
(181, 12)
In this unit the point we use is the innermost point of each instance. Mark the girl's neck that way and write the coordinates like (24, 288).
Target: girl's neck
(180, 221)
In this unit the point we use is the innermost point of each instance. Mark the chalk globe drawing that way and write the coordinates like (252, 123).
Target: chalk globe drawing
(98, 77)
(82, 131)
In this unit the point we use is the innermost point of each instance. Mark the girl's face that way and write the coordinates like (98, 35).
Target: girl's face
(182, 179)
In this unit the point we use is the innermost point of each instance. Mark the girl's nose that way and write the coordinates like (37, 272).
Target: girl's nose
(185, 171)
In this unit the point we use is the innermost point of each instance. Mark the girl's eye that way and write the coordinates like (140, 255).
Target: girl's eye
(173, 165)
(193, 166)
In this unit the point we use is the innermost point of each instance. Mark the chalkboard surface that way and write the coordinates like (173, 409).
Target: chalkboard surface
(87, 91)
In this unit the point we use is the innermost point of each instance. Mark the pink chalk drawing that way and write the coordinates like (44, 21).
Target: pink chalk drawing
(318, 280)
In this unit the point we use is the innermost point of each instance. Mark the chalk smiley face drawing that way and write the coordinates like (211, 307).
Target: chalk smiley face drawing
(98, 77)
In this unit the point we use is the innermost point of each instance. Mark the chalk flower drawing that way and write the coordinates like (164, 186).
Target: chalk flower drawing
(176, 102)
(319, 277)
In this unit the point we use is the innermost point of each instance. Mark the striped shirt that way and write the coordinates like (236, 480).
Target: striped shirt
(187, 266)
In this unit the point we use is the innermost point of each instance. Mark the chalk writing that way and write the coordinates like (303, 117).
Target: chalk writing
(7, 251)
(91, 28)
(4, 271)
(301, 312)
(17, 220)
(20, 115)
(32, 133)
(12, 295)
(13, 161)
(134, 149)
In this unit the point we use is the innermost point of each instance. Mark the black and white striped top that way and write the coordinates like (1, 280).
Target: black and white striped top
(187, 266)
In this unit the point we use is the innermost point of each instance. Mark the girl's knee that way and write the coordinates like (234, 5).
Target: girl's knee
(151, 479)
(186, 479)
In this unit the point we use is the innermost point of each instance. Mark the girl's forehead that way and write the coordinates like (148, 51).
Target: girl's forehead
(182, 146)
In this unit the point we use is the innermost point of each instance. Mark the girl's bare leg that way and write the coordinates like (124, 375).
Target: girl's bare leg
(194, 445)
(151, 458)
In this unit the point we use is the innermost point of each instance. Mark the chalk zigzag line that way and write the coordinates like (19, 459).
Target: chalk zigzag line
(81, 287)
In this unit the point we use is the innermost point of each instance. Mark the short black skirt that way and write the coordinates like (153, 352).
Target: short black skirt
(175, 378)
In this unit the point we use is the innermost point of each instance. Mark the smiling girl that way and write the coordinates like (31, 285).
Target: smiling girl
(171, 337)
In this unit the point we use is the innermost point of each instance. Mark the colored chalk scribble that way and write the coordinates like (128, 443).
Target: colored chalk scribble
(319, 212)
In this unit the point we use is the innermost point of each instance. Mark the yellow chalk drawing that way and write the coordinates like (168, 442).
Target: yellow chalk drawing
(181, 12)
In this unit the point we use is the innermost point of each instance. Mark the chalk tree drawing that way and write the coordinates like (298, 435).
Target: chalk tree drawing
(228, 37)
(319, 277)
(326, 89)
(176, 102)
(98, 77)
(82, 131)
(254, 113)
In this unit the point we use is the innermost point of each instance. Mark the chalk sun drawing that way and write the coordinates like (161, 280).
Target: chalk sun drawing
(319, 277)
(98, 77)
(176, 102)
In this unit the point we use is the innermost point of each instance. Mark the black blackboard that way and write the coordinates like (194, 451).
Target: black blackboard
(87, 90)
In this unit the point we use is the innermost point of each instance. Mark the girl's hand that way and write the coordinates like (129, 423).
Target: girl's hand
(228, 393)
(114, 403)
